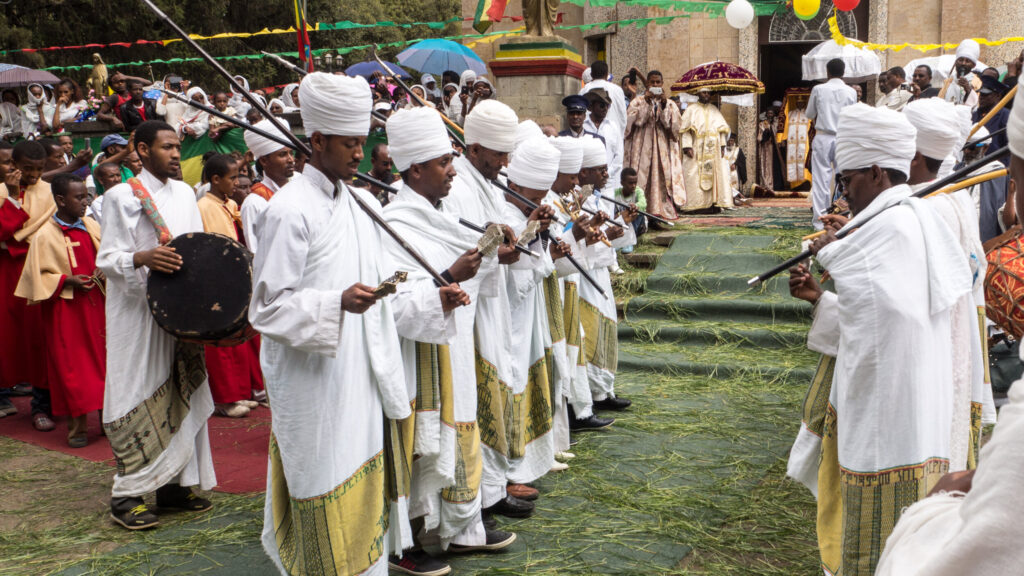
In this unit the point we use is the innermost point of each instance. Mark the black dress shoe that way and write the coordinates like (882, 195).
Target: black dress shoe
(496, 540)
(612, 403)
(512, 507)
(590, 423)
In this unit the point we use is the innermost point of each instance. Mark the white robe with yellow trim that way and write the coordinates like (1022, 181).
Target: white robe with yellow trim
(331, 378)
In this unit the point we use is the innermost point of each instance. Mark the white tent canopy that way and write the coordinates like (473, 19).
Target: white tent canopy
(861, 64)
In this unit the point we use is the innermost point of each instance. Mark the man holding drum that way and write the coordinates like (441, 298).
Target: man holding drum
(157, 397)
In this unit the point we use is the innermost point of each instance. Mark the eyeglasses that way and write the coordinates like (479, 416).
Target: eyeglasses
(843, 180)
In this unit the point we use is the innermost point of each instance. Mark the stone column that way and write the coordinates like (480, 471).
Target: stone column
(746, 128)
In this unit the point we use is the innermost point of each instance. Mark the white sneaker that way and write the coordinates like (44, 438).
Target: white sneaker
(562, 456)
(559, 466)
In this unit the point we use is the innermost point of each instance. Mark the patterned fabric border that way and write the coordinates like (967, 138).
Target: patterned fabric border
(553, 302)
(468, 465)
(600, 338)
(975, 447)
(493, 396)
(503, 426)
(340, 532)
(872, 504)
(571, 315)
(141, 436)
(816, 402)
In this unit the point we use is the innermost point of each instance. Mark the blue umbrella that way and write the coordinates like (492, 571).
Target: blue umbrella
(366, 69)
(437, 55)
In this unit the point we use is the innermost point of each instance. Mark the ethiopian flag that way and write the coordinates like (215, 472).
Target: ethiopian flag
(192, 150)
(488, 11)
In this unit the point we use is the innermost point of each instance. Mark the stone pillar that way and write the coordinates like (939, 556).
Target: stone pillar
(533, 74)
(746, 128)
(1005, 18)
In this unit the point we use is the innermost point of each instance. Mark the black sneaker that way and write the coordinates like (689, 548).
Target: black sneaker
(511, 507)
(490, 522)
(181, 498)
(133, 517)
(612, 403)
(21, 389)
(590, 423)
(496, 540)
(418, 563)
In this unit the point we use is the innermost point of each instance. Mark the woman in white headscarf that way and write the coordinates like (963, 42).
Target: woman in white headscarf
(459, 106)
(432, 93)
(237, 101)
(194, 122)
(36, 115)
(278, 107)
(290, 96)
(482, 90)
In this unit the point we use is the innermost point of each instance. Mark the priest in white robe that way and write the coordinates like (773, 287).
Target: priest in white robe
(157, 398)
(702, 135)
(967, 525)
(445, 487)
(330, 352)
(887, 324)
(490, 137)
(597, 311)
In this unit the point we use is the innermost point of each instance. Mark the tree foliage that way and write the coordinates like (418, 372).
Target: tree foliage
(44, 23)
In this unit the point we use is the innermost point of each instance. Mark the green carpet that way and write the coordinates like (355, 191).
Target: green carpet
(688, 481)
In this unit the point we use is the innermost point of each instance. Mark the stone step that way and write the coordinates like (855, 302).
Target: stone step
(638, 260)
(708, 333)
(703, 284)
(651, 307)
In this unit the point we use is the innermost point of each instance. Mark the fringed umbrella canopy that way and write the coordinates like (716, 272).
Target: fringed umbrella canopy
(719, 77)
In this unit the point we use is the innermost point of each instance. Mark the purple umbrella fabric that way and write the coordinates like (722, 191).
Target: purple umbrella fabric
(12, 76)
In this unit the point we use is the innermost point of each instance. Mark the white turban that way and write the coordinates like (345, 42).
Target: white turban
(969, 49)
(335, 105)
(526, 130)
(534, 165)
(571, 149)
(416, 135)
(981, 135)
(869, 136)
(937, 124)
(467, 76)
(1015, 125)
(588, 76)
(594, 153)
(492, 125)
(260, 145)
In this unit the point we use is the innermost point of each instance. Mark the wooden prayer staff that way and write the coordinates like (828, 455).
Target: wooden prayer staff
(995, 109)
(453, 129)
(934, 187)
(296, 143)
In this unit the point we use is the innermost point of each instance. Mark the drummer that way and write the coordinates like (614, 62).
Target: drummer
(234, 371)
(147, 405)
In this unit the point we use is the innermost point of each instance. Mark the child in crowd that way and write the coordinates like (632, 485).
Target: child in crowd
(630, 192)
(219, 126)
(234, 371)
(60, 274)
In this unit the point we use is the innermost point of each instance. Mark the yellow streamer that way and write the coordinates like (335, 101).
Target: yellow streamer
(833, 26)
(489, 39)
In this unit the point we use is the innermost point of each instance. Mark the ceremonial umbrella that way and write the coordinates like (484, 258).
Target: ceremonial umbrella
(366, 69)
(719, 77)
(437, 55)
(861, 64)
(12, 75)
(941, 67)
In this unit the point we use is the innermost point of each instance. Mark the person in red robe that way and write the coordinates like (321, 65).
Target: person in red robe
(25, 205)
(234, 371)
(60, 274)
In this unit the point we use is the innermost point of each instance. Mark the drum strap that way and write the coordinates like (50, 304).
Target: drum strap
(149, 207)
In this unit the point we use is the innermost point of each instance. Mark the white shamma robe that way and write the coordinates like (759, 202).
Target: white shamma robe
(897, 279)
(146, 382)
(330, 376)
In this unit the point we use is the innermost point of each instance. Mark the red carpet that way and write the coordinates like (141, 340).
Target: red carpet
(239, 445)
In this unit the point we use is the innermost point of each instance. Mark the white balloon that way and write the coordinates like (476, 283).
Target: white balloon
(739, 14)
